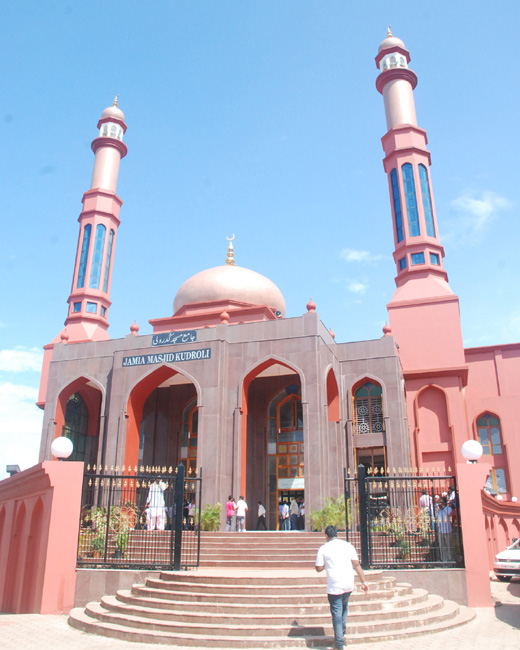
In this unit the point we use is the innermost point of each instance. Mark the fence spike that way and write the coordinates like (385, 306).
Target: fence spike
(170, 469)
(117, 469)
(90, 482)
(88, 467)
(449, 470)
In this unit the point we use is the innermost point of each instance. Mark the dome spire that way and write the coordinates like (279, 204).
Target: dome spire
(389, 32)
(115, 100)
(230, 258)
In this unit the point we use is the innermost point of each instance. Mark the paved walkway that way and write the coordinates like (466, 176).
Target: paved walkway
(493, 628)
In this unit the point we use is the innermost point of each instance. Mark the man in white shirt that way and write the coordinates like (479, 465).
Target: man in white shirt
(261, 517)
(241, 514)
(339, 559)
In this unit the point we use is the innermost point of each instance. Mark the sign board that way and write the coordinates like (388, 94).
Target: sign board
(173, 338)
(291, 483)
(166, 357)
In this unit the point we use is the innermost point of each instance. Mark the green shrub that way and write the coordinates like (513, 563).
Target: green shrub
(332, 514)
(210, 517)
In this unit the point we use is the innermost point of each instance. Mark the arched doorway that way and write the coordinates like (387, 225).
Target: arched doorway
(268, 406)
(162, 428)
(285, 449)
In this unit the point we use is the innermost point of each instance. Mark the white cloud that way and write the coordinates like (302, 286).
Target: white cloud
(20, 426)
(21, 360)
(355, 286)
(365, 257)
(479, 211)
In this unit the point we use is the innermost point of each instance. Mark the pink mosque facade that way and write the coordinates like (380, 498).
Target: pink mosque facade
(271, 406)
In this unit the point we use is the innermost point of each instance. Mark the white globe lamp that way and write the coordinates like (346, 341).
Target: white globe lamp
(61, 448)
(514, 499)
(472, 450)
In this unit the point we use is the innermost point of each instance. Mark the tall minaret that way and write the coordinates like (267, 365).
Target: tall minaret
(89, 299)
(423, 308)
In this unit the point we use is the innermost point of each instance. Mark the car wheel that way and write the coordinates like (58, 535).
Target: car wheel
(504, 578)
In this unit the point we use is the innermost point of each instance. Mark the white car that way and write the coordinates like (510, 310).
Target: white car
(507, 563)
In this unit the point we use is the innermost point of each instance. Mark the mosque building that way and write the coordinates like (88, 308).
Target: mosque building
(270, 406)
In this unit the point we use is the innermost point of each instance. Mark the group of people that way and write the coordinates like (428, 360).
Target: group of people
(442, 513)
(236, 514)
(292, 517)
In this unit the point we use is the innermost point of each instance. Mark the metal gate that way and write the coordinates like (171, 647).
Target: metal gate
(394, 521)
(146, 518)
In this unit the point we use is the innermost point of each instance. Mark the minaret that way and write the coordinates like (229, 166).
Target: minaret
(423, 311)
(89, 299)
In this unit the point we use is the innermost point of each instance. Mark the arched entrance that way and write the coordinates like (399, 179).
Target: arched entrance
(162, 428)
(78, 418)
(285, 449)
(271, 416)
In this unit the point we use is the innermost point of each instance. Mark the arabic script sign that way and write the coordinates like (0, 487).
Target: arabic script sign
(169, 338)
(167, 357)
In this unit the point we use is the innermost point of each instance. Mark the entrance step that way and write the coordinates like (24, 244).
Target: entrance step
(218, 608)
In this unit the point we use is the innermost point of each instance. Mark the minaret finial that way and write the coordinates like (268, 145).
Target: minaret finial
(389, 32)
(115, 99)
(230, 258)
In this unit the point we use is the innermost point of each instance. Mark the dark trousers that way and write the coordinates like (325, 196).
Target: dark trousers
(261, 522)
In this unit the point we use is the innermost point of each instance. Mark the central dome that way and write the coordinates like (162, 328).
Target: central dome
(230, 282)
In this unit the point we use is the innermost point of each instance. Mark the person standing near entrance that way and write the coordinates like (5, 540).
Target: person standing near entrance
(444, 529)
(230, 513)
(241, 514)
(339, 559)
(294, 511)
(261, 517)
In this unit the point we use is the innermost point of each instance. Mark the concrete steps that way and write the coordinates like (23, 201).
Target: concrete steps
(261, 609)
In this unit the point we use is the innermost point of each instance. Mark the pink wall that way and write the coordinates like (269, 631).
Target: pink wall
(502, 524)
(39, 515)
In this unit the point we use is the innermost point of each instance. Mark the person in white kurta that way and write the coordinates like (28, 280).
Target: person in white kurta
(156, 509)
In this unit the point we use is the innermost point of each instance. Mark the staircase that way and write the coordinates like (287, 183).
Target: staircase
(256, 590)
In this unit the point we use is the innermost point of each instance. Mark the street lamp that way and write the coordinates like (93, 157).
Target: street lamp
(61, 447)
(472, 451)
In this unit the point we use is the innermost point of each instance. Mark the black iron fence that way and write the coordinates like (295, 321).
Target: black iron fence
(400, 521)
(146, 518)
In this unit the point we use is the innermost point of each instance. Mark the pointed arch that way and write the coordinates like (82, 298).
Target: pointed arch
(368, 405)
(29, 598)
(433, 428)
(135, 403)
(14, 565)
(92, 394)
(259, 367)
(332, 396)
(243, 403)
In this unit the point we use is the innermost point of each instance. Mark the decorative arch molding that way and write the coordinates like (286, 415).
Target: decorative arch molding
(28, 602)
(168, 370)
(14, 565)
(268, 361)
(357, 383)
(245, 382)
(441, 410)
(332, 390)
(136, 398)
(94, 398)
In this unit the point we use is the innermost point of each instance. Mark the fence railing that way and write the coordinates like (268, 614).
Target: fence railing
(146, 518)
(396, 521)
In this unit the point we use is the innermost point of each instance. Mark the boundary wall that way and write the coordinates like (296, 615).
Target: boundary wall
(39, 514)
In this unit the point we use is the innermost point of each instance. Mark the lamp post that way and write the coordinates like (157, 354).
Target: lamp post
(472, 451)
(62, 447)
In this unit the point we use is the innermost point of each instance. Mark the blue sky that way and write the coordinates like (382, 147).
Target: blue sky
(260, 119)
